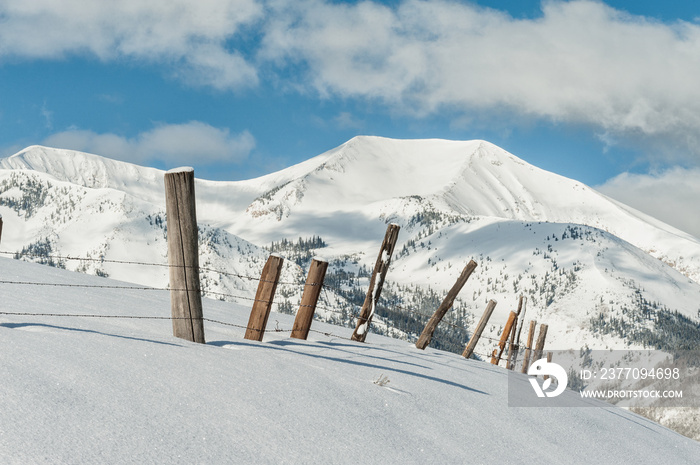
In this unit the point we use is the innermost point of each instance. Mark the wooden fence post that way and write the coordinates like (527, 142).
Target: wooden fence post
(496, 355)
(263, 298)
(376, 283)
(515, 339)
(539, 347)
(446, 304)
(0, 227)
(309, 299)
(469, 350)
(528, 346)
(183, 255)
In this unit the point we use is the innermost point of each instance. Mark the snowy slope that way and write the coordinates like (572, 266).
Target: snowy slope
(370, 176)
(105, 390)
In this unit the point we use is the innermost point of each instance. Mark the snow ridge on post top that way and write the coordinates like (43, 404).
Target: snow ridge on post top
(182, 169)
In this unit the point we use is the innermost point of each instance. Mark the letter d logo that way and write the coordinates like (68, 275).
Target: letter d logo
(551, 369)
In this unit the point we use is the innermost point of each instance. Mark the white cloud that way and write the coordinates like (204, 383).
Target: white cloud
(211, 65)
(346, 120)
(191, 36)
(189, 143)
(671, 196)
(581, 62)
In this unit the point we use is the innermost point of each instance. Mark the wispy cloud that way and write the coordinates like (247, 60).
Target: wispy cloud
(346, 120)
(671, 196)
(47, 115)
(188, 36)
(581, 62)
(189, 143)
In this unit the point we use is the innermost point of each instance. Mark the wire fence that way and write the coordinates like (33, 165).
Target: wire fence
(353, 315)
(65, 258)
(153, 317)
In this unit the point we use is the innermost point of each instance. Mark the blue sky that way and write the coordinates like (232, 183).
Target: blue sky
(603, 92)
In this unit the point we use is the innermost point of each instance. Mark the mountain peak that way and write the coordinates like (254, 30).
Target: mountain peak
(471, 177)
(84, 169)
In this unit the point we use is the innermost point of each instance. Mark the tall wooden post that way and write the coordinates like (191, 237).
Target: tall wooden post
(446, 304)
(257, 322)
(528, 346)
(539, 347)
(497, 352)
(183, 255)
(309, 299)
(376, 283)
(515, 339)
(469, 350)
(0, 227)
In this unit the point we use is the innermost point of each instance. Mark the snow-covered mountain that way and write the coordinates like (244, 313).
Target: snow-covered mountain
(597, 271)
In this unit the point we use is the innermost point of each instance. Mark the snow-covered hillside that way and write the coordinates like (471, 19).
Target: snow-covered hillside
(598, 272)
(372, 177)
(123, 390)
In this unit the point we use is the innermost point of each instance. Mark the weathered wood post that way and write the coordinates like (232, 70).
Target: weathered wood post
(309, 299)
(469, 350)
(0, 227)
(257, 322)
(515, 339)
(528, 346)
(446, 304)
(376, 283)
(183, 255)
(539, 347)
(497, 352)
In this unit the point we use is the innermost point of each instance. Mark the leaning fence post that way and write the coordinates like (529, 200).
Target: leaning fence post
(497, 352)
(263, 298)
(309, 299)
(528, 346)
(376, 283)
(540, 341)
(183, 255)
(446, 304)
(515, 339)
(469, 350)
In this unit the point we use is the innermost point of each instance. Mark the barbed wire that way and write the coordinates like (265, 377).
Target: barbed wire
(337, 290)
(353, 314)
(141, 317)
(59, 258)
(210, 320)
(133, 288)
(154, 317)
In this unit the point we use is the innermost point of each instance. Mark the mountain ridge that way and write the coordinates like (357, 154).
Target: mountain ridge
(473, 178)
